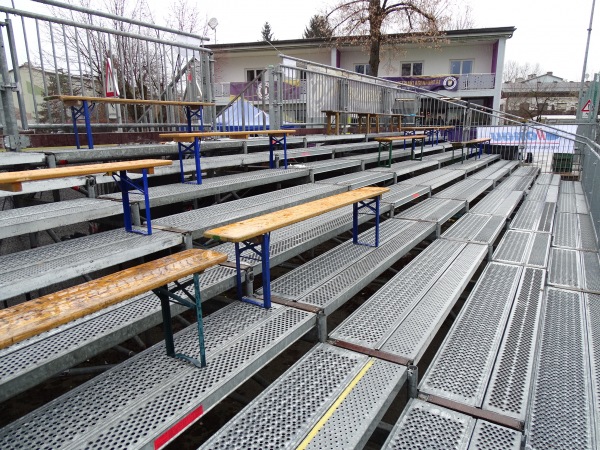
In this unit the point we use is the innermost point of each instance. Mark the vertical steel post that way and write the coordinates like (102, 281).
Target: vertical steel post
(11, 129)
(266, 269)
(199, 321)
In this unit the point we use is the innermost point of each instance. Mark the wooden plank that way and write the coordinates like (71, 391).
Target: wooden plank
(75, 99)
(8, 179)
(189, 137)
(50, 311)
(257, 226)
(400, 138)
(425, 128)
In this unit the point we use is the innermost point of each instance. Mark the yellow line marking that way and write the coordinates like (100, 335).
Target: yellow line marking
(304, 444)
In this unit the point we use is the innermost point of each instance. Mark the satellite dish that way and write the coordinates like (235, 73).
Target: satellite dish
(212, 23)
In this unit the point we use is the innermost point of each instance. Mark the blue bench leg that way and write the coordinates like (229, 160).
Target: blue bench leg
(264, 256)
(266, 270)
(199, 321)
(74, 115)
(374, 206)
(193, 149)
(125, 184)
(88, 125)
(272, 142)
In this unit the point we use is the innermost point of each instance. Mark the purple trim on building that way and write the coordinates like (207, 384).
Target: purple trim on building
(495, 56)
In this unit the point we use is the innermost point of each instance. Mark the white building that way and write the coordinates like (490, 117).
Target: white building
(474, 57)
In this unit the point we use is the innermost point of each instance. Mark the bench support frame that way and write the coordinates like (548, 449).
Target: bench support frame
(372, 205)
(166, 297)
(125, 183)
(192, 149)
(84, 110)
(273, 141)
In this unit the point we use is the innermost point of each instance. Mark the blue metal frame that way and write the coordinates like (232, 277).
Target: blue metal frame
(191, 149)
(273, 141)
(84, 111)
(166, 297)
(262, 254)
(368, 205)
(126, 183)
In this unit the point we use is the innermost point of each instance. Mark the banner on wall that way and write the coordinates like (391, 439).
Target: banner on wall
(441, 83)
(558, 139)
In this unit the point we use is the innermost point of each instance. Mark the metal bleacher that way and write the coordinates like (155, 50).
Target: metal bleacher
(494, 382)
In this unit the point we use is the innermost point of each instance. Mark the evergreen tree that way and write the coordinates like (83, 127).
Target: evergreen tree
(318, 27)
(267, 32)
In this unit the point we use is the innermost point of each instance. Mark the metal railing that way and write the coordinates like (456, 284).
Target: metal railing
(67, 53)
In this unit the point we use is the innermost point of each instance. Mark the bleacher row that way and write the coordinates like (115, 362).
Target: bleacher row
(338, 392)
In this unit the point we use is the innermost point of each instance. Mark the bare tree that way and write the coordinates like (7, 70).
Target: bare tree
(266, 32)
(514, 70)
(375, 23)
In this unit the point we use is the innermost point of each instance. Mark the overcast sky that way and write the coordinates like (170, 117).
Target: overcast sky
(549, 32)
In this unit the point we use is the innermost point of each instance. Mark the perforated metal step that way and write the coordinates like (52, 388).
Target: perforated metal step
(19, 221)
(173, 193)
(406, 167)
(329, 165)
(495, 172)
(357, 180)
(592, 304)
(400, 194)
(467, 190)
(150, 398)
(435, 178)
(572, 203)
(574, 269)
(499, 203)
(483, 229)
(41, 267)
(561, 412)
(527, 171)
(199, 220)
(534, 216)
(423, 425)
(574, 231)
(412, 337)
(543, 193)
(334, 277)
(348, 390)
(437, 210)
(463, 365)
(473, 164)
(515, 183)
(548, 178)
(27, 363)
(524, 247)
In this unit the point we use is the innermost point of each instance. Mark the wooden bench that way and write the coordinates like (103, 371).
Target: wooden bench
(388, 142)
(249, 234)
(83, 105)
(332, 117)
(50, 311)
(276, 137)
(470, 144)
(431, 131)
(13, 181)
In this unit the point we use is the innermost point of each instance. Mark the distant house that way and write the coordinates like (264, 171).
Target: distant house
(540, 95)
(466, 63)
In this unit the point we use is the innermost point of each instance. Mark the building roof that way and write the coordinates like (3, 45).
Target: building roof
(452, 35)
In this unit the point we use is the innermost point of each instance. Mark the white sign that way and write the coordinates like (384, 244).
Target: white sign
(555, 139)
(111, 88)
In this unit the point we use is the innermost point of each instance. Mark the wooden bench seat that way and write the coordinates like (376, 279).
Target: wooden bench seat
(80, 107)
(332, 118)
(13, 181)
(470, 144)
(248, 234)
(50, 311)
(388, 141)
(276, 137)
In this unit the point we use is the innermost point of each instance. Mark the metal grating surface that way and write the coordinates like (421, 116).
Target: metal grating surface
(587, 235)
(510, 383)
(382, 312)
(462, 366)
(567, 187)
(356, 276)
(548, 178)
(133, 402)
(494, 172)
(412, 337)
(547, 219)
(359, 179)
(515, 183)
(528, 217)
(426, 426)
(526, 171)
(581, 204)
(566, 231)
(566, 203)
(560, 415)
(538, 193)
(590, 271)
(564, 268)
(37, 268)
(400, 194)
(356, 417)
(427, 178)
(467, 190)
(592, 305)
(513, 248)
(433, 210)
(489, 436)
(499, 203)
(405, 167)
(467, 228)
(539, 251)
(293, 403)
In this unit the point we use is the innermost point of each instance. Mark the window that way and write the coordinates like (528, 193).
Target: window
(251, 74)
(412, 69)
(458, 67)
(365, 69)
